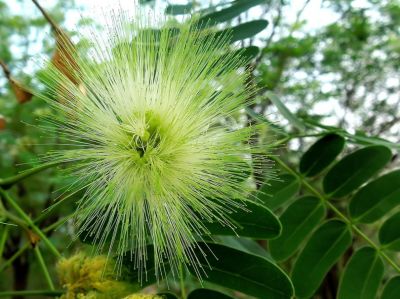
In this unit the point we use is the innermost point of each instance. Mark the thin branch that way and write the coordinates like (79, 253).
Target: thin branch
(48, 18)
(182, 281)
(16, 255)
(40, 293)
(30, 223)
(8, 182)
(27, 245)
(269, 40)
(6, 70)
(44, 267)
(298, 16)
(276, 22)
(3, 239)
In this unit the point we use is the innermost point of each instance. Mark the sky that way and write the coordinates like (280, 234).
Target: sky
(314, 13)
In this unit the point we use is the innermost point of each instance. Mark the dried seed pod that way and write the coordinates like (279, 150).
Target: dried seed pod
(21, 93)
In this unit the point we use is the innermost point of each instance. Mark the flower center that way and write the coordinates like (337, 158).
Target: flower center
(145, 135)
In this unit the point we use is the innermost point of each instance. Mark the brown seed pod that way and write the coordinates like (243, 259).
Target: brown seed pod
(22, 94)
(2, 123)
(63, 57)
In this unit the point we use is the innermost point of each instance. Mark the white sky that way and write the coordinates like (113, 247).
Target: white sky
(315, 15)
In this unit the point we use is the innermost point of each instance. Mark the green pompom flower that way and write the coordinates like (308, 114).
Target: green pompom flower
(153, 138)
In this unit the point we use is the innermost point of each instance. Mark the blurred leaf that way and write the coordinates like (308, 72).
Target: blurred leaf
(362, 275)
(247, 53)
(275, 193)
(286, 112)
(258, 223)
(376, 198)
(167, 296)
(298, 221)
(323, 249)
(243, 272)
(178, 9)
(392, 289)
(207, 294)
(244, 55)
(389, 234)
(226, 14)
(242, 31)
(355, 169)
(321, 154)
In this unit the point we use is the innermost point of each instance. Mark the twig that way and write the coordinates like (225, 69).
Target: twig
(32, 293)
(6, 70)
(182, 281)
(8, 182)
(3, 239)
(44, 267)
(30, 223)
(24, 247)
(48, 18)
(16, 255)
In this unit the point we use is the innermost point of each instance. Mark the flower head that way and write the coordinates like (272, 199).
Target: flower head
(90, 277)
(152, 136)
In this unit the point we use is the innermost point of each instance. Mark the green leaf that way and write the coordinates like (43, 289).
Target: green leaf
(167, 296)
(243, 31)
(275, 193)
(355, 169)
(286, 112)
(321, 154)
(298, 221)
(259, 223)
(132, 273)
(392, 289)
(244, 272)
(247, 53)
(376, 198)
(362, 275)
(247, 245)
(178, 9)
(244, 55)
(207, 294)
(389, 234)
(226, 14)
(325, 247)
